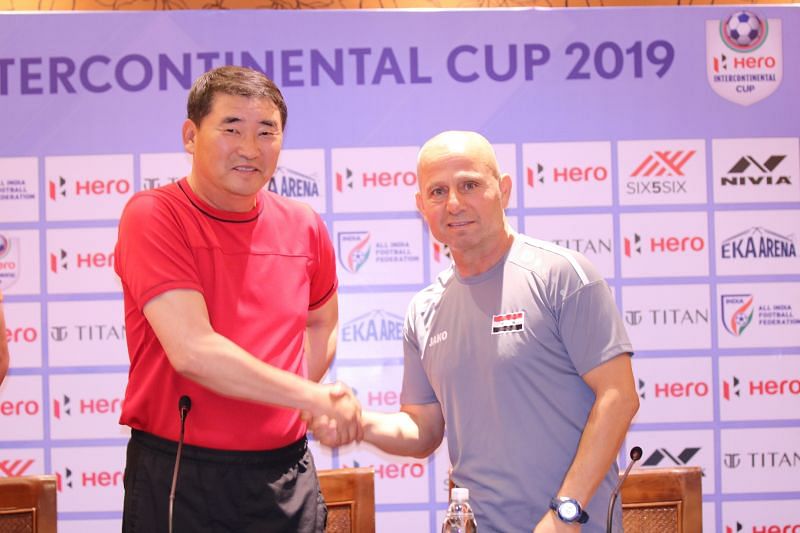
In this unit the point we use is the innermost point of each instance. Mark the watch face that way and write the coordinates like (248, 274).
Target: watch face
(568, 510)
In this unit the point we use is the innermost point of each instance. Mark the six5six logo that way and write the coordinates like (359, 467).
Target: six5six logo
(657, 172)
(88, 187)
(744, 58)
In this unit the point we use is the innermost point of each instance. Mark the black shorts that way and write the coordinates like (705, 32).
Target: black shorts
(220, 491)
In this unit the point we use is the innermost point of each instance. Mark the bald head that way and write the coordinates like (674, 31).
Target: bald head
(458, 144)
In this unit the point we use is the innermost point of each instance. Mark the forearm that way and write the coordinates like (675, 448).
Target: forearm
(400, 434)
(219, 364)
(320, 350)
(600, 442)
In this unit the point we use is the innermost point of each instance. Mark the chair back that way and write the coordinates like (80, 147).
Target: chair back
(662, 500)
(349, 494)
(28, 504)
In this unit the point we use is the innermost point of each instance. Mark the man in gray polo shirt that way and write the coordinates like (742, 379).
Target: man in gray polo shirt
(518, 350)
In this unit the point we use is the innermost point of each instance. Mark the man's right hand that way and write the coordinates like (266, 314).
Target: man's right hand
(338, 420)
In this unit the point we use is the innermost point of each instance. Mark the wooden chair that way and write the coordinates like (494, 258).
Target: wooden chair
(662, 500)
(349, 494)
(28, 504)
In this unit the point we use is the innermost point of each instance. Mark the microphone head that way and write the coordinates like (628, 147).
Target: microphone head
(185, 404)
(636, 453)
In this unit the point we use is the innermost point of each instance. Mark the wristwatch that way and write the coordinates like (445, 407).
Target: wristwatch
(568, 510)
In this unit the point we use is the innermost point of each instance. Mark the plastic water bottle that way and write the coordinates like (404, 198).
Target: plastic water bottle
(459, 517)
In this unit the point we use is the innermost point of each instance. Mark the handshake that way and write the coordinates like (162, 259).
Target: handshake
(337, 418)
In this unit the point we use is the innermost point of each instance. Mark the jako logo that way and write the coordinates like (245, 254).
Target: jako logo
(15, 468)
(748, 171)
(375, 179)
(86, 187)
(737, 312)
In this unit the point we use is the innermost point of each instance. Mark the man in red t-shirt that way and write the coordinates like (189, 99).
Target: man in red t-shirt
(230, 299)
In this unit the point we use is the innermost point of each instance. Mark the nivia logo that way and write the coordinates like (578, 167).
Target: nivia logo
(747, 171)
(680, 459)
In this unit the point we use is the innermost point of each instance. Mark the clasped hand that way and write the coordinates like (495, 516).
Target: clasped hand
(339, 421)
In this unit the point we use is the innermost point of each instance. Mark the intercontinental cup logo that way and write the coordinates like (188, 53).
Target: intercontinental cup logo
(293, 184)
(737, 312)
(354, 249)
(744, 59)
(9, 261)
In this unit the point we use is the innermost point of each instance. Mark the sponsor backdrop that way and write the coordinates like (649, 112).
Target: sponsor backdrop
(662, 143)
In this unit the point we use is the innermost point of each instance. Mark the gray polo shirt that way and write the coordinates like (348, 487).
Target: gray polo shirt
(503, 353)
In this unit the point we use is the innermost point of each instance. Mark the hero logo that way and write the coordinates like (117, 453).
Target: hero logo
(15, 468)
(663, 244)
(566, 174)
(62, 260)
(86, 406)
(19, 408)
(441, 251)
(377, 325)
(749, 172)
(758, 243)
(762, 387)
(660, 164)
(101, 478)
(383, 398)
(765, 528)
(20, 335)
(676, 389)
(88, 187)
(375, 179)
(292, 184)
(394, 470)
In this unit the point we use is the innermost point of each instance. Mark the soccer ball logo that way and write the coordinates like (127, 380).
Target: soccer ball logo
(743, 31)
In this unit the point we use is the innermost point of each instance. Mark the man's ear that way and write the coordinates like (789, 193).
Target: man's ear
(505, 188)
(189, 134)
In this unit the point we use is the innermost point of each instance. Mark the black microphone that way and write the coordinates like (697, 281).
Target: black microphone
(636, 454)
(184, 406)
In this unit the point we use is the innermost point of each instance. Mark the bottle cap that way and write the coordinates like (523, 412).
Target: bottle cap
(459, 494)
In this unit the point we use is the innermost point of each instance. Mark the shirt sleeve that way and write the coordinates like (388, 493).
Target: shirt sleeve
(591, 327)
(324, 281)
(416, 387)
(152, 254)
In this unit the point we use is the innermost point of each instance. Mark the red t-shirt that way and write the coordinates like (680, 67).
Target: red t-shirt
(260, 273)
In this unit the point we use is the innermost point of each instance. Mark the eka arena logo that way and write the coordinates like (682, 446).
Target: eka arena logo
(744, 59)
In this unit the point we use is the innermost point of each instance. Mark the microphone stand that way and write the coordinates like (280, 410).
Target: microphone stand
(184, 406)
(636, 454)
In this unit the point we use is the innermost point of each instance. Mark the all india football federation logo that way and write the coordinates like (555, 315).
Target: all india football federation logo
(737, 312)
(744, 58)
(354, 249)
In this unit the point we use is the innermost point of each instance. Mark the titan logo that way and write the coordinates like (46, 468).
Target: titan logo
(58, 188)
(58, 261)
(533, 177)
(663, 163)
(15, 468)
(344, 181)
(58, 333)
(65, 480)
(58, 408)
(729, 389)
(681, 459)
(633, 246)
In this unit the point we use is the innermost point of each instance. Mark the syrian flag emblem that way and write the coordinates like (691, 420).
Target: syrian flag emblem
(508, 322)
